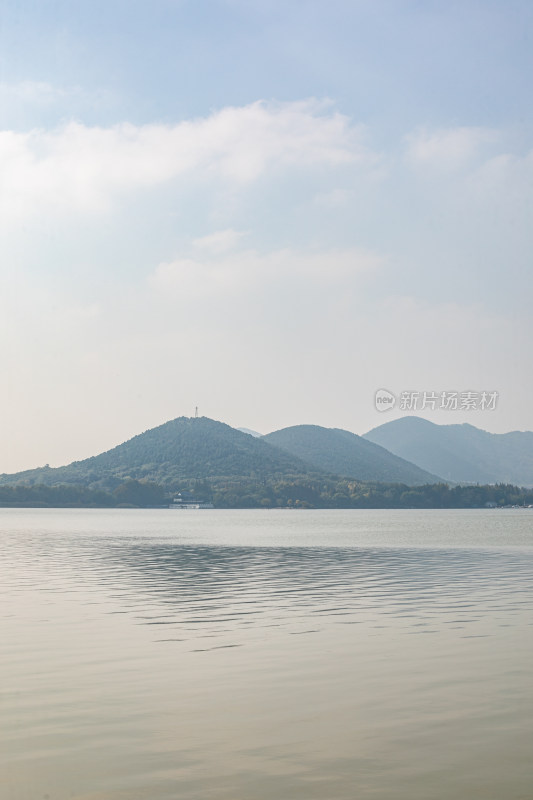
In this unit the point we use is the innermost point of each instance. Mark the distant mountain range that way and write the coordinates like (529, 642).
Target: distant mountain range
(409, 451)
(459, 453)
(343, 453)
(250, 431)
(202, 449)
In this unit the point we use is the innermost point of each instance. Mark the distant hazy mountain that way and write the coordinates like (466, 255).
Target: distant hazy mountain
(182, 448)
(460, 453)
(250, 432)
(345, 453)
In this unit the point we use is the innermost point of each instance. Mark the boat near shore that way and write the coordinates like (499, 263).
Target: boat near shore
(187, 502)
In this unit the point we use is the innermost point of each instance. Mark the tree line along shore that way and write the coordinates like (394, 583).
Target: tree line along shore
(283, 492)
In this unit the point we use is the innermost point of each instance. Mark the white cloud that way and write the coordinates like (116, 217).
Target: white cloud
(85, 168)
(449, 147)
(506, 176)
(36, 93)
(228, 273)
(219, 241)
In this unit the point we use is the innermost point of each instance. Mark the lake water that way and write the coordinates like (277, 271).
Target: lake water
(253, 655)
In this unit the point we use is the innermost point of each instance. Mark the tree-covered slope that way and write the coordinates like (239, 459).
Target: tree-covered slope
(182, 448)
(460, 453)
(344, 453)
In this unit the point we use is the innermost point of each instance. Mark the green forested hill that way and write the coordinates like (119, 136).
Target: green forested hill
(344, 453)
(460, 453)
(184, 448)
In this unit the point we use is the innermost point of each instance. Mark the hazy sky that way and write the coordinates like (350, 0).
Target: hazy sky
(266, 209)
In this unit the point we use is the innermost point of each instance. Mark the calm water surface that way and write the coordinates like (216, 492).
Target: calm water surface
(253, 655)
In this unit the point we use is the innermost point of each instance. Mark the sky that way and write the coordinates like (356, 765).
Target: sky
(268, 210)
